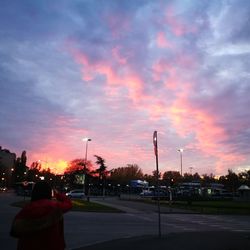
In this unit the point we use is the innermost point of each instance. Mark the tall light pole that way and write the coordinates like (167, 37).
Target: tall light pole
(181, 151)
(85, 166)
(157, 183)
(86, 149)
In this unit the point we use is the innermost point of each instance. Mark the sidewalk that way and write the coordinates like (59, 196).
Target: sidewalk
(180, 241)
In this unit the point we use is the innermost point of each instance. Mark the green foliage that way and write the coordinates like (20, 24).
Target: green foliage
(23, 158)
(102, 167)
(216, 207)
(79, 165)
(86, 206)
(172, 177)
(230, 181)
(20, 170)
(150, 179)
(207, 179)
(124, 175)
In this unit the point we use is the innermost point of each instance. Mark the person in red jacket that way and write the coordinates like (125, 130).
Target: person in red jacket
(39, 225)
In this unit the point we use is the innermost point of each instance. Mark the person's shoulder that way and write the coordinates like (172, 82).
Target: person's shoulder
(38, 208)
(40, 203)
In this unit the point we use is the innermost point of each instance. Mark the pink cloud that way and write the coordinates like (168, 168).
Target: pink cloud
(133, 153)
(168, 71)
(209, 136)
(124, 77)
(177, 26)
(156, 110)
(186, 61)
(162, 41)
(117, 23)
(187, 119)
(165, 71)
(118, 57)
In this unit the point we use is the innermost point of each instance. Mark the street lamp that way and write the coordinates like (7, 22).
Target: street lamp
(181, 151)
(157, 181)
(85, 165)
(86, 151)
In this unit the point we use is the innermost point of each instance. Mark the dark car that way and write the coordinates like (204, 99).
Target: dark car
(76, 193)
(3, 189)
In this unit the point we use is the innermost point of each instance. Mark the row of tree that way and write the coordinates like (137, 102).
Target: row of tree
(100, 176)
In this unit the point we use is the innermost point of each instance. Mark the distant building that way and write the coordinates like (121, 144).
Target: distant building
(186, 188)
(244, 192)
(7, 163)
(138, 184)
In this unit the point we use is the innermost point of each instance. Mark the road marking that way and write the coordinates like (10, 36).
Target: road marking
(141, 217)
(197, 222)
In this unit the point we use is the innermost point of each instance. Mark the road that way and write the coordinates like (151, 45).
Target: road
(7, 213)
(82, 229)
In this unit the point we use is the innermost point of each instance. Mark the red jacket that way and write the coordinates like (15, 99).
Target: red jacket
(39, 225)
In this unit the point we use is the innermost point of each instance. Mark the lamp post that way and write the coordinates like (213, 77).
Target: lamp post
(181, 151)
(157, 181)
(85, 165)
(86, 149)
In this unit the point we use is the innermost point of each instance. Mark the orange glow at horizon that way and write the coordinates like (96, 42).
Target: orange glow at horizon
(56, 167)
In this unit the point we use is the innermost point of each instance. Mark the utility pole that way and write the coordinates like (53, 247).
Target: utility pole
(157, 183)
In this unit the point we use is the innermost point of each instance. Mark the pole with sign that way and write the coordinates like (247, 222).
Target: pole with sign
(157, 183)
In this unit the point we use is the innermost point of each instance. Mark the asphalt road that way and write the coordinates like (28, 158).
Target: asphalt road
(85, 229)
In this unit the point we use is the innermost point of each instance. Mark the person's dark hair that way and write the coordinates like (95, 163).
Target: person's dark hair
(41, 190)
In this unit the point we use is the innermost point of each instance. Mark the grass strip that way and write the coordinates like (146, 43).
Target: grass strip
(215, 207)
(80, 206)
(205, 207)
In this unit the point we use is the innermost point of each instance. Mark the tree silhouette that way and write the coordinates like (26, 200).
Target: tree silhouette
(102, 167)
(33, 173)
(23, 158)
(231, 181)
(79, 166)
(171, 177)
(101, 171)
(124, 175)
(20, 168)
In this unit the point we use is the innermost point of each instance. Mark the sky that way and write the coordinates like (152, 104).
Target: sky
(116, 71)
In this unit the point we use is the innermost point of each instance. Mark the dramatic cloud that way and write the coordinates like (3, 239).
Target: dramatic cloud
(115, 71)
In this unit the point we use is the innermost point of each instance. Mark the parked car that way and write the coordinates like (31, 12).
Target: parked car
(3, 189)
(154, 194)
(77, 193)
(163, 195)
(146, 193)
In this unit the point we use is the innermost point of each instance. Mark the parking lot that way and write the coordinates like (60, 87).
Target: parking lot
(139, 219)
